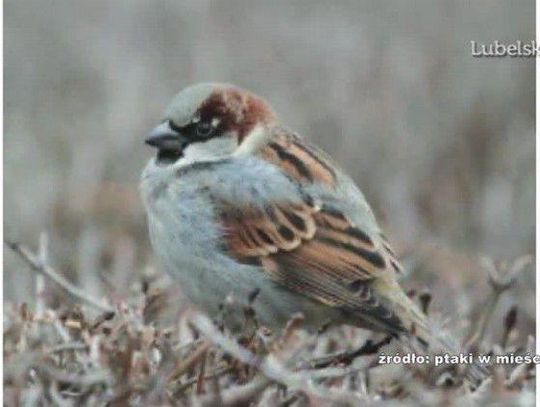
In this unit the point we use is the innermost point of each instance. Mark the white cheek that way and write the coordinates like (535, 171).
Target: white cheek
(213, 149)
(254, 140)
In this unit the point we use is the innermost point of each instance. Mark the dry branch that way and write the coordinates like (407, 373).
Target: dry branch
(500, 281)
(271, 367)
(34, 262)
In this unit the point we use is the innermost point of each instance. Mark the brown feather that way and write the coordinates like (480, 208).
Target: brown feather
(311, 248)
(298, 160)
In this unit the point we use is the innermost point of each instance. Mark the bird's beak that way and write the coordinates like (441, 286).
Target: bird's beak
(164, 138)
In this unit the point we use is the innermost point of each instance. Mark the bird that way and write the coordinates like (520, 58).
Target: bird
(239, 205)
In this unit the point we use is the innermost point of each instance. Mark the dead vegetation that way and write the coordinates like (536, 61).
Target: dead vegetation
(119, 353)
(442, 145)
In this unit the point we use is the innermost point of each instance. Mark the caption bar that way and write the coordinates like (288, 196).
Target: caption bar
(459, 359)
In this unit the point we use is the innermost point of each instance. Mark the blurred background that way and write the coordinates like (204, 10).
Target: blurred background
(441, 143)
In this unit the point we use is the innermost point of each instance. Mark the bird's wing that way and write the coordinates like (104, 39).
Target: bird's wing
(308, 165)
(306, 244)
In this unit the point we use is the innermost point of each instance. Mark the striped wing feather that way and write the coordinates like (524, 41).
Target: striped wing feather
(311, 247)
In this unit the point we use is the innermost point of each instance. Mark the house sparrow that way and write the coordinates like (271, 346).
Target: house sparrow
(238, 204)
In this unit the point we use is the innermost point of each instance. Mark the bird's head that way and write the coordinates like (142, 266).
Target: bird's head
(209, 121)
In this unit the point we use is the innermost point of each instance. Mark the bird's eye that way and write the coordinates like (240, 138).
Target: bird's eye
(204, 129)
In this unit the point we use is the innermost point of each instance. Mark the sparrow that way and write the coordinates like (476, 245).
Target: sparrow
(239, 205)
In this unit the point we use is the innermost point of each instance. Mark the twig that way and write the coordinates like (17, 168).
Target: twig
(187, 347)
(270, 366)
(86, 379)
(499, 283)
(70, 346)
(369, 348)
(291, 327)
(509, 323)
(425, 300)
(106, 316)
(40, 279)
(191, 361)
(518, 375)
(333, 372)
(216, 374)
(33, 261)
(242, 395)
(199, 389)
